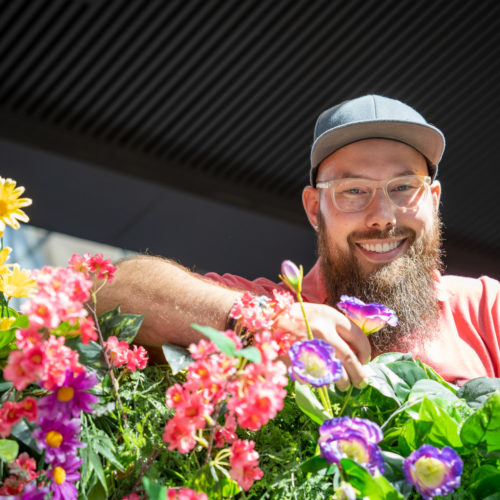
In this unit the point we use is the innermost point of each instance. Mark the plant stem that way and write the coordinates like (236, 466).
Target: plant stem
(346, 399)
(309, 332)
(108, 363)
(325, 399)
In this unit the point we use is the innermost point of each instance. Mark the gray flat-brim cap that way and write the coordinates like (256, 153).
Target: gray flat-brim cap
(374, 117)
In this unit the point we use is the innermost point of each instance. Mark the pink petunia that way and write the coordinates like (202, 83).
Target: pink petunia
(101, 267)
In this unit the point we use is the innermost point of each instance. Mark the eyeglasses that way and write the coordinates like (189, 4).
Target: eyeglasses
(354, 195)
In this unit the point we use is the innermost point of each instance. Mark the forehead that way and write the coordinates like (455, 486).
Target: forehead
(373, 159)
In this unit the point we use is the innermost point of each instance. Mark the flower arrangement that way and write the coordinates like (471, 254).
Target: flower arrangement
(83, 415)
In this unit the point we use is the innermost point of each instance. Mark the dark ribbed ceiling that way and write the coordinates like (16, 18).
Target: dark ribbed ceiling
(220, 97)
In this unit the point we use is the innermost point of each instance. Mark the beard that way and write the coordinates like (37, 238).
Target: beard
(405, 285)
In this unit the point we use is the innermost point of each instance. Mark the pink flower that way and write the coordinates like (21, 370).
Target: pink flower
(194, 410)
(202, 349)
(28, 409)
(184, 494)
(180, 435)
(117, 351)
(101, 267)
(87, 330)
(137, 358)
(58, 359)
(132, 496)
(24, 467)
(16, 372)
(227, 433)
(244, 463)
(175, 395)
(27, 337)
(253, 312)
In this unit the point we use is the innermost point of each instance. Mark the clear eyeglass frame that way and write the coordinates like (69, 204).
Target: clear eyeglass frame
(356, 194)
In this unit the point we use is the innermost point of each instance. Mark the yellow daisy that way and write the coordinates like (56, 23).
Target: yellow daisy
(4, 255)
(11, 204)
(17, 284)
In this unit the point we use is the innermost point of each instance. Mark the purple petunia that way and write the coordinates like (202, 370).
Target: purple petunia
(355, 438)
(433, 471)
(71, 397)
(369, 317)
(314, 362)
(58, 437)
(63, 475)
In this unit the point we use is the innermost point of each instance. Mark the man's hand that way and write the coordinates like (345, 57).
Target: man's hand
(350, 343)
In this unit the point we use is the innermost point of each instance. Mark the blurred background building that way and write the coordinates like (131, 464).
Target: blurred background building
(183, 128)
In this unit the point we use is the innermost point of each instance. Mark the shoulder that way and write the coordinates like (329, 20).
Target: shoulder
(473, 297)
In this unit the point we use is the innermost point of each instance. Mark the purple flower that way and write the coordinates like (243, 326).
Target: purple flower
(58, 437)
(291, 275)
(314, 362)
(355, 438)
(71, 397)
(369, 317)
(63, 476)
(433, 471)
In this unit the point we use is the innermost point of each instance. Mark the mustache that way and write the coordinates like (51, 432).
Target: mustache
(382, 234)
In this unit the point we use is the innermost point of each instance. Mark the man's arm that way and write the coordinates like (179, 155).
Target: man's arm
(169, 296)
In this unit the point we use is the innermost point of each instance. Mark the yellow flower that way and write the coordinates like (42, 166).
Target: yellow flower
(4, 255)
(17, 284)
(6, 323)
(11, 204)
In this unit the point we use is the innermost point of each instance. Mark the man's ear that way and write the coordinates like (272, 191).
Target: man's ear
(436, 193)
(310, 200)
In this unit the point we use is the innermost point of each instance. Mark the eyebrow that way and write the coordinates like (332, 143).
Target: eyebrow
(350, 175)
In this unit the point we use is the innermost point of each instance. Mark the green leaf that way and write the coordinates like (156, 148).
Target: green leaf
(434, 426)
(250, 353)
(387, 382)
(431, 389)
(8, 450)
(408, 371)
(317, 465)
(309, 404)
(478, 390)
(89, 354)
(223, 342)
(482, 429)
(6, 337)
(177, 357)
(22, 432)
(154, 491)
(96, 466)
(484, 482)
(122, 326)
(375, 488)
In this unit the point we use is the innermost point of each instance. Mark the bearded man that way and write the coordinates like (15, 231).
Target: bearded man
(373, 200)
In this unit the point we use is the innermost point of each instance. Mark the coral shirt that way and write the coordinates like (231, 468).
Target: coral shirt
(468, 344)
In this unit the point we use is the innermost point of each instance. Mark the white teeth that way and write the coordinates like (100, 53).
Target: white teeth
(380, 247)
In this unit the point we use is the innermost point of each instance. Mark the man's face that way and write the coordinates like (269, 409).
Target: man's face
(383, 253)
(381, 233)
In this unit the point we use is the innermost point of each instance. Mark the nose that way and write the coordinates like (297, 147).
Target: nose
(381, 213)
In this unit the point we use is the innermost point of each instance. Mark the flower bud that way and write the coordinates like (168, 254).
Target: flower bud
(291, 275)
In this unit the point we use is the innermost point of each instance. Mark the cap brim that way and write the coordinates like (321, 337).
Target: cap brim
(426, 139)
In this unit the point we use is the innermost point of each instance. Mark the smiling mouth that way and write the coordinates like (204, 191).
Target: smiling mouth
(382, 247)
